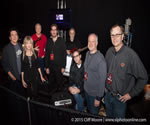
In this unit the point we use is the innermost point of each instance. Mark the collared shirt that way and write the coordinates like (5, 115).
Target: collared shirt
(125, 68)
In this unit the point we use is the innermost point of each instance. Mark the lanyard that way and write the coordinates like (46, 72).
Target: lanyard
(53, 44)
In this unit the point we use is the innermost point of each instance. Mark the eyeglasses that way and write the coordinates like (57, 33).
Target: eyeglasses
(53, 29)
(75, 56)
(116, 35)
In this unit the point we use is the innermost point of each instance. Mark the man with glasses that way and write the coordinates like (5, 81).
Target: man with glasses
(126, 76)
(76, 81)
(94, 75)
(55, 58)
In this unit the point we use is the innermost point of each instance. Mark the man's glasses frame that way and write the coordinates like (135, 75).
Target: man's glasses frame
(116, 35)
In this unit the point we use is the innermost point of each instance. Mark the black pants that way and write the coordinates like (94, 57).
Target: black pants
(16, 106)
(16, 86)
(32, 89)
(55, 78)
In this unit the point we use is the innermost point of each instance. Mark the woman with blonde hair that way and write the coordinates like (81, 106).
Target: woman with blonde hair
(30, 71)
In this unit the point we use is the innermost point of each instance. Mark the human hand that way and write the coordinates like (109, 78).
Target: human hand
(47, 71)
(68, 52)
(42, 79)
(76, 90)
(42, 57)
(14, 78)
(24, 84)
(37, 48)
(96, 103)
(62, 70)
(125, 98)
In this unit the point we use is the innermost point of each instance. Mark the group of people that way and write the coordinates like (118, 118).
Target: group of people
(118, 77)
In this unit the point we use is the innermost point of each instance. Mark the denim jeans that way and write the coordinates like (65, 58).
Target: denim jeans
(79, 101)
(90, 104)
(114, 107)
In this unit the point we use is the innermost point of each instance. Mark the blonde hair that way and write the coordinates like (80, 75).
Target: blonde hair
(26, 40)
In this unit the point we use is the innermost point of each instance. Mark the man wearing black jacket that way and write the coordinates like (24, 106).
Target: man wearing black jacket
(76, 81)
(126, 75)
(11, 61)
(55, 58)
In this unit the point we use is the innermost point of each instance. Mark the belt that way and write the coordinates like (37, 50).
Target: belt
(114, 93)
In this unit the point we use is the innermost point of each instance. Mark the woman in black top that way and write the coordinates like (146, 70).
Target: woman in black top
(72, 43)
(30, 68)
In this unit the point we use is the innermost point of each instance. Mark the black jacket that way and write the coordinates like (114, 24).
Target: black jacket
(9, 62)
(71, 45)
(59, 50)
(77, 76)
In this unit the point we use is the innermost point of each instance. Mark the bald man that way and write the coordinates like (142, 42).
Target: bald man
(94, 76)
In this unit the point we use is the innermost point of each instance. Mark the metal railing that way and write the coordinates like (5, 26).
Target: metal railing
(30, 112)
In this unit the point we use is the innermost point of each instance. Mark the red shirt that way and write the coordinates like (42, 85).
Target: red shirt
(41, 43)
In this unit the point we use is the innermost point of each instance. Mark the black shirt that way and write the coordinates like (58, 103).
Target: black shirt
(73, 44)
(58, 48)
(30, 65)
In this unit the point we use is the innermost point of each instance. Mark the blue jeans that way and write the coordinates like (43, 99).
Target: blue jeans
(90, 104)
(114, 107)
(79, 102)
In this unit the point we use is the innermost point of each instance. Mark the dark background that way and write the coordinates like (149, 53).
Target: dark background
(87, 16)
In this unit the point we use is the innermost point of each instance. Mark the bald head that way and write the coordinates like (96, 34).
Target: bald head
(92, 42)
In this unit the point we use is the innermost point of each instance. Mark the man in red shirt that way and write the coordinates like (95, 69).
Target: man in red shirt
(40, 44)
